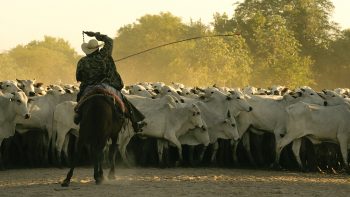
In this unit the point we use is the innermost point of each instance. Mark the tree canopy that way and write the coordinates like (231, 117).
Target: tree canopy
(51, 60)
(287, 42)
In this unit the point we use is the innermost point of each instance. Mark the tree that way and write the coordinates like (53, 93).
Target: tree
(199, 62)
(335, 63)
(9, 68)
(277, 58)
(51, 60)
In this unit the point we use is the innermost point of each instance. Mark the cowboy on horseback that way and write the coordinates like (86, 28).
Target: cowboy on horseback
(97, 70)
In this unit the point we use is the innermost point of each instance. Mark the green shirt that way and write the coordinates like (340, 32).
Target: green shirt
(98, 67)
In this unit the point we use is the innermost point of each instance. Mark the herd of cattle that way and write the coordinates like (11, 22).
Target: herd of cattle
(216, 126)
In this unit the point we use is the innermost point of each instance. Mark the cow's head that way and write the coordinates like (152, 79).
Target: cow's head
(19, 101)
(229, 127)
(239, 101)
(196, 117)
(27, 86)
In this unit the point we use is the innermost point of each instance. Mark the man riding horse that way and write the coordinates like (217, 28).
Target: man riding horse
(97, 70)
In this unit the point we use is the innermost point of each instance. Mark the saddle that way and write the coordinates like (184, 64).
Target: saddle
(98, 91)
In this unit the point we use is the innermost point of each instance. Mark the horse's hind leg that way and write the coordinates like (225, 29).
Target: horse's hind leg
(98, 171)
(74, 162)
(112, 155)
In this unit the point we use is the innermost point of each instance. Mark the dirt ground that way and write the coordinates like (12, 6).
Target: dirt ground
(173, 182)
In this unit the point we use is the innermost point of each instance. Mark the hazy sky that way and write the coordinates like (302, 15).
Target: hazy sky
(23, 21)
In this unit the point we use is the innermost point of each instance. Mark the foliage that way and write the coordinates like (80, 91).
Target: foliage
(200, 62)
(287, 42)
(51, 61)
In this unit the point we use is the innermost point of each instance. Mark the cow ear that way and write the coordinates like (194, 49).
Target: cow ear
(179, 93)
(12, 96)
(284, 91)
(38, 85)
(302, 89)
(19, 81)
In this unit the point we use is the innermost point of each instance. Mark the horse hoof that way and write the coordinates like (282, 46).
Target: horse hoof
(111, 177)
(99, 180)
(178, 163)
(276, 166)
(65, 184)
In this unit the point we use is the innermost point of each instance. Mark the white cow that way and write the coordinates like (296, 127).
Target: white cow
(318, 123)
(278, 90)
(217, 108)
(332, 99)
(42, 109)
(63, 124)
(9, 86)
(11, 105)
(167, 121)
(172, 124)
(157, 87)
(343, 91)
(27, 86)
(140, 91)
(146, 106)
(39, 89)
(269, 114)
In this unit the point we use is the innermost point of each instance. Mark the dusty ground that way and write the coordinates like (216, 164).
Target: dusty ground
(173, 182)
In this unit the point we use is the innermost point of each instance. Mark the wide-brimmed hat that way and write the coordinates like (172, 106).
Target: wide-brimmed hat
(91, 46)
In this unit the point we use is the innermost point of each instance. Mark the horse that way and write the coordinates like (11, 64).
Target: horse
(100, 121)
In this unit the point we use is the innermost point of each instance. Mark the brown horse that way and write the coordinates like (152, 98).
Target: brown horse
(100, 121)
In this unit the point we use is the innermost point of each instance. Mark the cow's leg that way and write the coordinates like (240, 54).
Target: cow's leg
(343, 142)
(160, 147)
(215, 150)
(234, 152)
(177, 143)
(74, 162)
(191, 155)
(296, 151)
(246, 145)
(58, 146)
(280, 145)
(65, 149)
(123, 143)
(112, 155)
(1, 159)
(201, 155)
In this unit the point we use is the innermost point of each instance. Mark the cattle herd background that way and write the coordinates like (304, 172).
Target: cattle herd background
(249, 127)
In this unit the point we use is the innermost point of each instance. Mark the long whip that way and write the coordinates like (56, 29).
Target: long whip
(170, 43)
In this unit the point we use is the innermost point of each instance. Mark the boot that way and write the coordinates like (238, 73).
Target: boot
(137, 126)
(77, 118)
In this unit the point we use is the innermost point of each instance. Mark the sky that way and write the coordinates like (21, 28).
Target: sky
(22, 21)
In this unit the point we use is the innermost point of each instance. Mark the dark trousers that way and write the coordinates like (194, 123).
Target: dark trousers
(133, 113)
